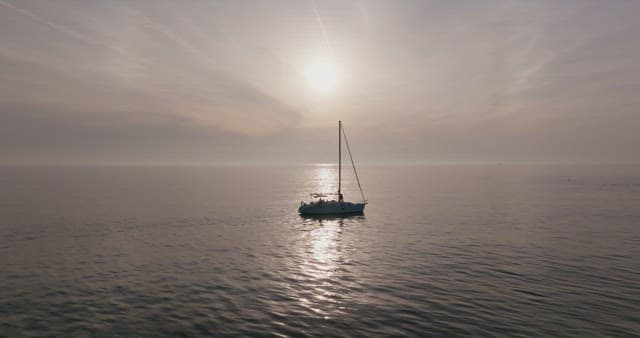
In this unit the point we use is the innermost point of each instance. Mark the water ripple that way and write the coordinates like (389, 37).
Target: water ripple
(538, 256)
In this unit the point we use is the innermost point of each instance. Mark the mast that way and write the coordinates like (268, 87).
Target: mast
(339, 156)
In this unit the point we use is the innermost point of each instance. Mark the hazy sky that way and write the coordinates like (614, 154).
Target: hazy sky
(226, 81)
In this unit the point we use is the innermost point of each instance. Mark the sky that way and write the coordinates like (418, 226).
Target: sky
(199, 82)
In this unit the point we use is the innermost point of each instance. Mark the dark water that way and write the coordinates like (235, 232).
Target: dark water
(441, 250)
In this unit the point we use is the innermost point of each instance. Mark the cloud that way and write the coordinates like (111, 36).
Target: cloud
(422, 81)
(69, 32)
(185, 86)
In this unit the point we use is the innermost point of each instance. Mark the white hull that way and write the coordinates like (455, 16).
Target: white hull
(331, 208)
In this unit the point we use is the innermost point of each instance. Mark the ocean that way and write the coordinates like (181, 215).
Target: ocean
(441, 250)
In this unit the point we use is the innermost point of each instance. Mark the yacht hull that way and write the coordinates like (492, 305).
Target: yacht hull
(331, 208)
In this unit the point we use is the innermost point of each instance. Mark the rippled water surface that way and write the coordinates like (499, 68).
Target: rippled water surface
(441, 250)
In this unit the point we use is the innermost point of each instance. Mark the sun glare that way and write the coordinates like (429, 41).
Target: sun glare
(323, 76)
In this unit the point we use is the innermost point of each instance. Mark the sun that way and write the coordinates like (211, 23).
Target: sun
(323, 76)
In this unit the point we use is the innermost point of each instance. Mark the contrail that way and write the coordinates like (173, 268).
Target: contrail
(324, 31)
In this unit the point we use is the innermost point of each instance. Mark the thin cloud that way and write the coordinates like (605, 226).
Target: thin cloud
(60, 28)
(421, 80)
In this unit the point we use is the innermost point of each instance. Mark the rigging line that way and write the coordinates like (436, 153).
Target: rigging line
(353, 164)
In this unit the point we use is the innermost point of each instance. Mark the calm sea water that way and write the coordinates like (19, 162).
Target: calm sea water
(441, 250)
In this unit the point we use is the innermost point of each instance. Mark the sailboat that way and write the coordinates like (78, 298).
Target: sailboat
(325, 203)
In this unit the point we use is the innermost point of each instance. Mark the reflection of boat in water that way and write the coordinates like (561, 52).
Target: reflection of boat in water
(325, 203)
(335, 220)
(332, 218)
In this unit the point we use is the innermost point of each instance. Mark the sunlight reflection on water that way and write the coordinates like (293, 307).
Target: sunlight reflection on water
(325, 178)
(325, 248)
(321, 263)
